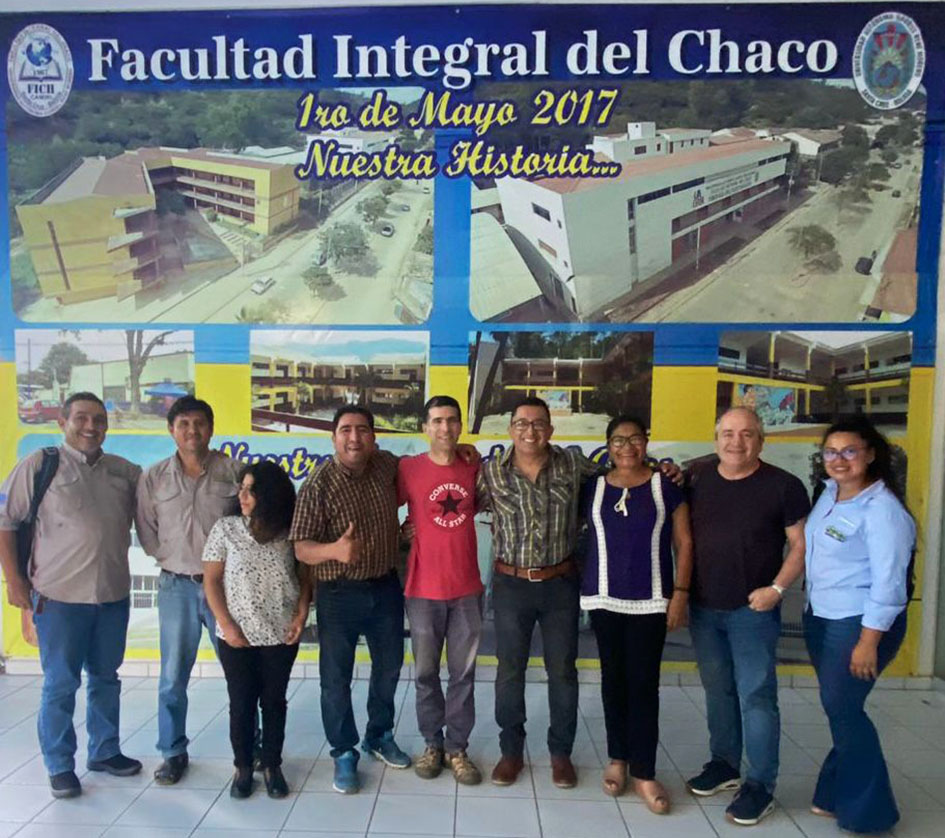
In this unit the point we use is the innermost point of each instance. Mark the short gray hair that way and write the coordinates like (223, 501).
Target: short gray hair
(743, 409)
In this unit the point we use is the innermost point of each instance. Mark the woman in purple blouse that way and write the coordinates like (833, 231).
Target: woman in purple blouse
(637, 519)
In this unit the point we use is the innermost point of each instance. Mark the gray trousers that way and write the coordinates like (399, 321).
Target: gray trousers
(458, 622)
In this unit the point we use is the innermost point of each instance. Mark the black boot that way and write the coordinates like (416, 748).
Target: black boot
(242, 785)
(276, 786)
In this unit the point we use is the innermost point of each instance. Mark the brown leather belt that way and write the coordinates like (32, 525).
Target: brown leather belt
(537, 574)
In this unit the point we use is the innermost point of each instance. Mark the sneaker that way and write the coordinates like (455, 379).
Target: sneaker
(65, 784)
(386, 750)
(751, 804)
(464, 769)
(716, 776)
(118, 765)
(346, 773)
(429, 764)
(171, 770)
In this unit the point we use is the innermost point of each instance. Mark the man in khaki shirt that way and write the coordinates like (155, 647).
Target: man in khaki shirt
(78, 587)
(179, 500)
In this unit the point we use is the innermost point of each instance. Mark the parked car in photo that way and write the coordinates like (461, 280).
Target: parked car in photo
(864, 265)
(262, 285)
(403, 207)
(40, 410)
(386, 230)
(897, 193)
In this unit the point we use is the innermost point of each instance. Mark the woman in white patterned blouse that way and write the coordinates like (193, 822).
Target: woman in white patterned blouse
(260, 597)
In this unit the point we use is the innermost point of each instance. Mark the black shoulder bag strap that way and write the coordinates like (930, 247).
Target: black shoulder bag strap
(45, 475)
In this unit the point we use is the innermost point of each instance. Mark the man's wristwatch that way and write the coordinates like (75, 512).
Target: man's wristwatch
(779, 589)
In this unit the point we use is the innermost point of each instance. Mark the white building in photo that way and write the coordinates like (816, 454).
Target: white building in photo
(676, 198)
(811, 143)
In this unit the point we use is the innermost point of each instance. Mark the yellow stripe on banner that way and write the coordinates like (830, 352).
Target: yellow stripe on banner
(227, 388)
(451, 381)
(9, 432)
(683, 403)
(917, 443)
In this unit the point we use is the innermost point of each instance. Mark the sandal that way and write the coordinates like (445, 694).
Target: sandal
(653, 794)
(614, 782)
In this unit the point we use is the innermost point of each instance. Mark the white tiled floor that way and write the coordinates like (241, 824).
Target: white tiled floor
(397, 803)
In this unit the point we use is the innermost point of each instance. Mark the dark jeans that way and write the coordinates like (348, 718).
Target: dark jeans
(458, 622)
(631, 649)
(257, 675)
(555, 605)
(735, 651)
(344, 610)
(853, 781)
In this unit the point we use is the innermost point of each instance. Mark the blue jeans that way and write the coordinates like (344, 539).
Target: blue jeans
(182, 614)
(73, 637)
(344, 610)
(853, 781)
(735, 651)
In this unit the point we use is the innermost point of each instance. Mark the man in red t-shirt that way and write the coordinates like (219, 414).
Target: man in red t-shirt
(444, 590)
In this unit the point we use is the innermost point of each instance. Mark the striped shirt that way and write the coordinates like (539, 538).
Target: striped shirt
(534, 524)
(333, 497)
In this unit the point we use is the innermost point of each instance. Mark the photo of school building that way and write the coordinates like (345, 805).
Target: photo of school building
(298, 383)
(584, 378)
(800, 382)
(95, 230)
(588, 242)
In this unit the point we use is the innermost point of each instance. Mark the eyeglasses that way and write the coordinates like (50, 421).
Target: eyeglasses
(851, 452)
(535, 424)
(621, 441)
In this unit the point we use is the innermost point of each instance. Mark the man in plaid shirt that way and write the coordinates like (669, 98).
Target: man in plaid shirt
(533, 491)
(346, 527)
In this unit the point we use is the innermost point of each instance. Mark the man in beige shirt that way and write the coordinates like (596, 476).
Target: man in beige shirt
(179, 500)
(78, 587)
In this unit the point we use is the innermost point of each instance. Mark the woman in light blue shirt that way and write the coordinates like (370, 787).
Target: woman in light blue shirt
(860, 540)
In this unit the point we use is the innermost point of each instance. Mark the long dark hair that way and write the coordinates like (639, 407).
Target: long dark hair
(880, 469)
(275, 500)
(882, 466)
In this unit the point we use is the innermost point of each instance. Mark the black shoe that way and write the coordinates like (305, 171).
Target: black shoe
(171, 770)
(276, 786)
(119, 765)
(751, 804)
(716, 776)
(242, 785)
(65, 784)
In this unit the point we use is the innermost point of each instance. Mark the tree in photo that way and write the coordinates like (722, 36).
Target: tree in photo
(59, 361)
(811, 240)
(372, 208)
(138, 354)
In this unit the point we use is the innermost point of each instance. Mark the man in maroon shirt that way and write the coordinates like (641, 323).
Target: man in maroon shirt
(444, 590)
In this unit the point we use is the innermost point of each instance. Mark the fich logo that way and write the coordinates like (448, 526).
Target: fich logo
(39, 70)
(889, 60)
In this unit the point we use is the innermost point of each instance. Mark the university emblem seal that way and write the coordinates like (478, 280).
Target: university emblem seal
(888, 60)
(39, 70)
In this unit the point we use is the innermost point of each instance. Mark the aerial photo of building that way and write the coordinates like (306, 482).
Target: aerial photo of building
(677, 198)
(299, 379)
(94, 230)
(800, 382)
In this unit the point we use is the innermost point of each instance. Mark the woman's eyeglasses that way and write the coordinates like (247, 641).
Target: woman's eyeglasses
(851, 452)
(621, 441)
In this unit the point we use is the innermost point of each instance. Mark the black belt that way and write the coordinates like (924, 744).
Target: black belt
(193, 577)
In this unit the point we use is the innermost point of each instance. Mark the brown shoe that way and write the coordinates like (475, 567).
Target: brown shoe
(563, 774)
(464, 769)
(506, 770)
